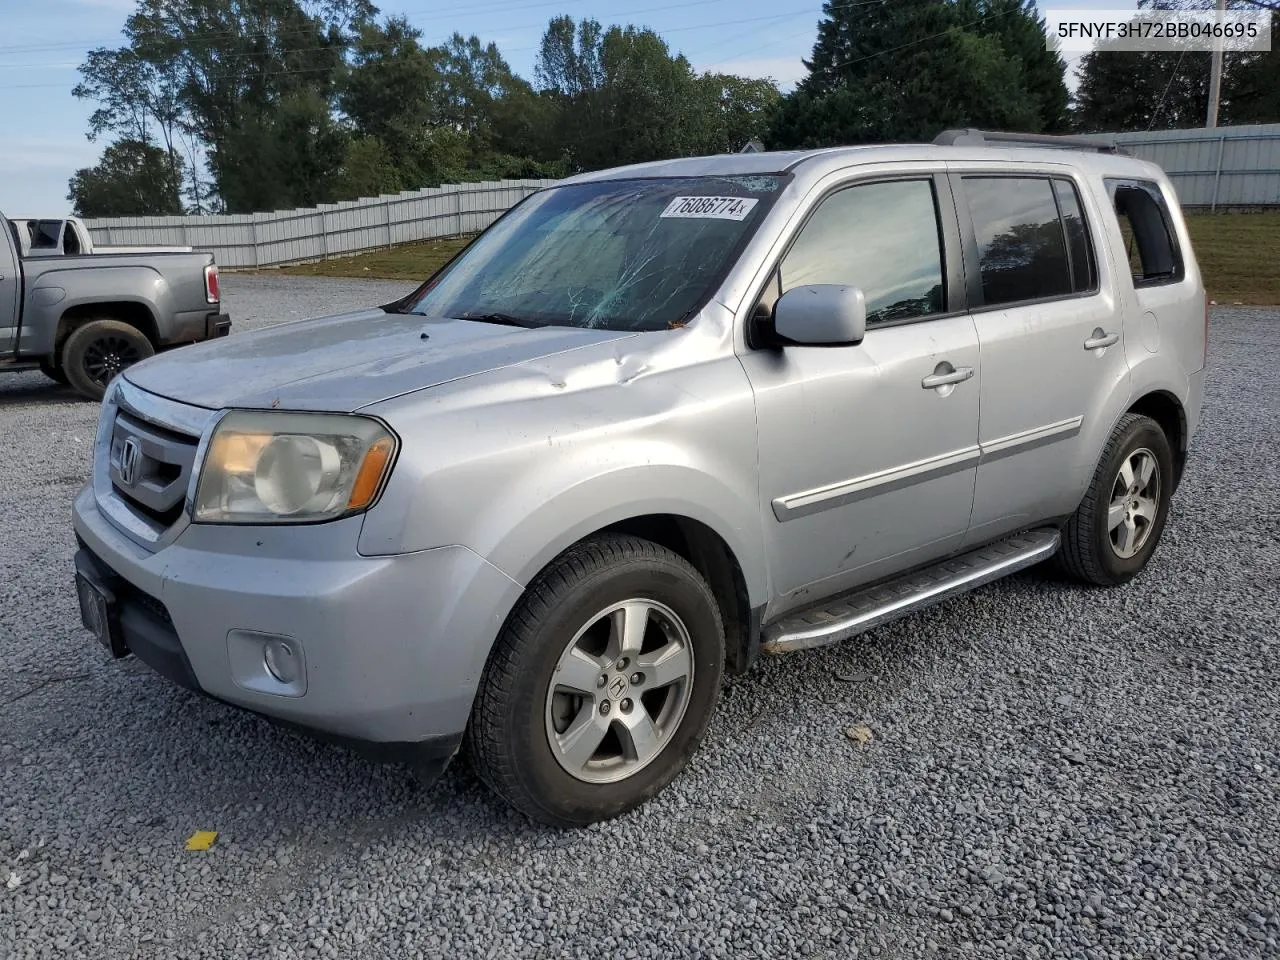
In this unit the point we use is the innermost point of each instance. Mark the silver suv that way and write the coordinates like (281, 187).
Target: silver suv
(654, 422)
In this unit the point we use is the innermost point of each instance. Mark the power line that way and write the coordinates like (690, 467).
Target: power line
(912, 43)
(701, 26)
(441, 13)
(1160, 103)
(298, 71)
(774, 40)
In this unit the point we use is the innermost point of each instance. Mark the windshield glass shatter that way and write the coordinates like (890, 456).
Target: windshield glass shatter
(617, 254)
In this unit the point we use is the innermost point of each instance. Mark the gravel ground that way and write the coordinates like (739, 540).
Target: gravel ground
(1054, 771)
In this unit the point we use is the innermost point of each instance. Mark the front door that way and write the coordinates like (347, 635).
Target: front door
(10, 291)
(867, 460)
(1052, 353)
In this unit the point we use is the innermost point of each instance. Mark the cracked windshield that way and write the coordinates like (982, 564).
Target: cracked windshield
(617, 255)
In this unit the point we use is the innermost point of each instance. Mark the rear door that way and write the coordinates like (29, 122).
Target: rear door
(1049, 326)
(10, 289)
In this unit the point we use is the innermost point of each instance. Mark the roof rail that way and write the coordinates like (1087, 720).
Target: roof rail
(972, 137)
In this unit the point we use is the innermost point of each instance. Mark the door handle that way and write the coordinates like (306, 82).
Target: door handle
(1100, 340)
(958, 375)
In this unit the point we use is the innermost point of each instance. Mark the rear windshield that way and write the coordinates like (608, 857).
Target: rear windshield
(615, 254)
(44, 234)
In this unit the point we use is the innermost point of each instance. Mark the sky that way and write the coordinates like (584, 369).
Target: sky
(42, 126)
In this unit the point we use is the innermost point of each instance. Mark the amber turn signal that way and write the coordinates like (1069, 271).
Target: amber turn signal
(369, 476)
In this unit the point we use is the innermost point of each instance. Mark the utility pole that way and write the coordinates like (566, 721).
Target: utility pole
(1215, 77)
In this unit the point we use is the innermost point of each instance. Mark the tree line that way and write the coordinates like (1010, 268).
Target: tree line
(245, 105)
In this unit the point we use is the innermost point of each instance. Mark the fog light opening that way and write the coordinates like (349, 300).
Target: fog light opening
(281, 660)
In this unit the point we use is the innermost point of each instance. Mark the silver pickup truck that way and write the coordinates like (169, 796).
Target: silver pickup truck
(84, 318)
(654, 422)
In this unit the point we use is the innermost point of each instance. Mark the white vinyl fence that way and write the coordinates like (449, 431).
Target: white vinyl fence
(1213, 168)
(329, 230)
(1222, 167)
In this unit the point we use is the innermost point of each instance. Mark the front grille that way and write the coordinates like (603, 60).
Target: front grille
(148, 465)
(136, 424)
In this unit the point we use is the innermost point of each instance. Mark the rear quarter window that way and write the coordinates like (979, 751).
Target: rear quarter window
(1151, 246)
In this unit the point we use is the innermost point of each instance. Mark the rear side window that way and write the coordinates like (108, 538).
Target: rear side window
(1022, 239)
(1150, 243)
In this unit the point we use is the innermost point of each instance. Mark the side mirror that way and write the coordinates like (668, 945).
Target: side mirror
(821, 315)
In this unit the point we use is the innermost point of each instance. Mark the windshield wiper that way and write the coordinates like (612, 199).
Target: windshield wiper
(506, 319)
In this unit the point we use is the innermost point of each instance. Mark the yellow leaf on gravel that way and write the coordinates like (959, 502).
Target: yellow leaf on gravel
(202, 839)
(858, 734)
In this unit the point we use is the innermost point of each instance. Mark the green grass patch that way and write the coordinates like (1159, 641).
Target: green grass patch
(1239, 254)
(409, 261)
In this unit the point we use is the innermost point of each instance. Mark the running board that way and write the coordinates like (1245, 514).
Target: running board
(853, 613)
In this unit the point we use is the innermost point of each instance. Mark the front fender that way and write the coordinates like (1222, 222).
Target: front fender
(522, 545)
(520, 464)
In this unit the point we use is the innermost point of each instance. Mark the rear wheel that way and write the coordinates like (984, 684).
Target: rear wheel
(602, 683)
(1113, 534)
(100, 349)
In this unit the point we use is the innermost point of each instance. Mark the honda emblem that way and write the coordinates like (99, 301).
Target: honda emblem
(130, 454)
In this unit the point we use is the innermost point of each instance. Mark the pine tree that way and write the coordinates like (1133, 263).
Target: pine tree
(1167, 89)
(906, 69)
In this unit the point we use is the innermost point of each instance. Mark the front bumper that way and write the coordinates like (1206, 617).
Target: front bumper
(392, 648)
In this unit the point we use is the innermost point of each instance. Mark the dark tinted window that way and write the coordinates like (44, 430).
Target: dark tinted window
(70, 242)
(1144, 225)
(1080, 251)
(882, 238)
(45, 234)
(1022, 253)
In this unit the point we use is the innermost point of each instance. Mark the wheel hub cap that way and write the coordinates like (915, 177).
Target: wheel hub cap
(107, 356)
(619, 691)
(1135, 503)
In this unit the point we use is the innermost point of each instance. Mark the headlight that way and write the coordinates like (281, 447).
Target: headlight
(272, 467)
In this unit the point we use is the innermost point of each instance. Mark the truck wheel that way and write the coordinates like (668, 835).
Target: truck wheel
(98, 350)
(1114, 532)
(53, 372)
(601, 684)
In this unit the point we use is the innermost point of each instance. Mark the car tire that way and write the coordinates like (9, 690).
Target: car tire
(601, 684)
(98, 350)
(53, 372)
(1117, 526)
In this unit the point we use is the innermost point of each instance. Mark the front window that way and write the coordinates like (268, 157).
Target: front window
(614, 254)
(882, 238)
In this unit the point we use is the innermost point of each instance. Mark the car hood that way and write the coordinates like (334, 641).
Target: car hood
(348, 361)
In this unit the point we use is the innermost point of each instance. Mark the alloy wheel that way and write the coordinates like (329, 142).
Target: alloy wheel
(1135, 501)
(619, 691)
(107, 356)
